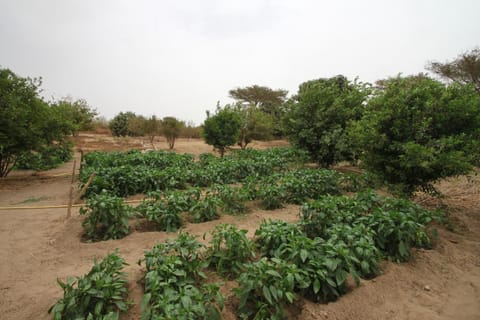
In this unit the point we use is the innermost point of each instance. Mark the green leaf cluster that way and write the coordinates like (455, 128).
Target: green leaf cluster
(99, 295)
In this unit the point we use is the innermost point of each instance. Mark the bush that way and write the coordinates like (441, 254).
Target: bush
(166, 213)
(47, 157)
(229, 249)
(232, 200)
(266, 287)
(100, 294)
(107, 217)
(318, 116)
(417, 130)
(205, 209)
(272, 234)
(173, 271)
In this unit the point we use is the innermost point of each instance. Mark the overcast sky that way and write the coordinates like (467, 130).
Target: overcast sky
(178, 58)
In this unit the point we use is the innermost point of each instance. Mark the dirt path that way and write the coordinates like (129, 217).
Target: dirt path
(38, 246)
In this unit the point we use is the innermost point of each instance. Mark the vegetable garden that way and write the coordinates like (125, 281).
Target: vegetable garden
(337, 237)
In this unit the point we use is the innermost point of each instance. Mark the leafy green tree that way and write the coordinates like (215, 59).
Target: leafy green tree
(268, 100)
(317, 117)
(464, 69)
(27, 123)
(171, 129)
(77, 112)
(222, 129)
(256, 125)
(119, 125)
(416, 130)
(152, 127)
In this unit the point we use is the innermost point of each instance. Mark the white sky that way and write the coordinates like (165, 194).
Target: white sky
(178, 58)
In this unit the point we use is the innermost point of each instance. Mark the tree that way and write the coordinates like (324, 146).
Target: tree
(464, 69)
(265, 99)
(318, 116)
(27, 123)
(152, 127)
(171, 129)
(119, 125)
(77, 112)
(255, 125)
(222, 129)
(417, 130)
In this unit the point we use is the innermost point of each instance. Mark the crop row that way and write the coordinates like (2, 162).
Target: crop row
(108, 216)
(132, 172)
(336, 237)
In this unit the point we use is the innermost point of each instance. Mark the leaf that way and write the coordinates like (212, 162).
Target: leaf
(267, 295)
(340, 276)
(290, 296)
(273, 273)
(303, 255)
(316, 286)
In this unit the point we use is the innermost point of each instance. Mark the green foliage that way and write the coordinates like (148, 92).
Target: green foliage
(107, 217)
(222, 129)
(98, 295)
(465, 69)
(395, 225)
(417, 130)
(256, 125)
(326, 264)
(205, 209)
(166, 213)
(77, 112)
(171, 129)
(46, 157)
(232, 200)
(273, 196)
(120, 125)
(229, 249)
(318, 116)
(266, 287)
(272, 234)
(27, 123)
(173, 270)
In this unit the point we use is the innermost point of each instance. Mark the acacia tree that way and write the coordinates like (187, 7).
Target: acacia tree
(222, 129)
(255, 125)
(416, 130)
(465, 69)
(318, 116)
(27, 123)
(267, 100)
(171, 129)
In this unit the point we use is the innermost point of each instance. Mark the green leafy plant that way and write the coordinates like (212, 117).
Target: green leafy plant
(273, 196)
(106, 217)
(267, 287)
(205, 209)
(100, 294)
(273, 233)
(172, 290)
(164, 212)
(232, 200)
(229, 249)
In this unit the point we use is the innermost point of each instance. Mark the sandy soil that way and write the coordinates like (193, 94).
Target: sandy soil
(38, 246)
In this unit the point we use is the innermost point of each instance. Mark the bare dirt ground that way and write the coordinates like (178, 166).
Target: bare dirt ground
(39, 246)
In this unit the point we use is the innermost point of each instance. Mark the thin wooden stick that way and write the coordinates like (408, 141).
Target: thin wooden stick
(70, 202)
(73, 171)
(61, 206)
(84, 188)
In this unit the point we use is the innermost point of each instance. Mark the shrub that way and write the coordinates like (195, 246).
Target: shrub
(173, 271)
(229, 249)
(232, 200)
(273, 196)
(47, 157)
(417, 130)
(166, 213)
(100, 294)
(107, 217)
(205, 209)
(266, 287)
(273, 233)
